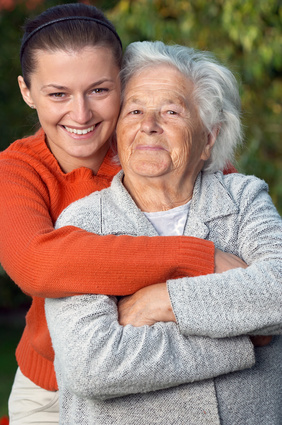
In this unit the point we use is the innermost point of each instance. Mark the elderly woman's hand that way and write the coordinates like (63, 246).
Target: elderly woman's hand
(224, 261)
(152, 304)
(146, 307)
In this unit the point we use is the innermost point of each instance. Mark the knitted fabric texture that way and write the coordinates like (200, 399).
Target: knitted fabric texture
(113, 374)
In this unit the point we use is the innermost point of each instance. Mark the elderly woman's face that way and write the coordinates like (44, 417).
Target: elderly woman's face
(159, 130)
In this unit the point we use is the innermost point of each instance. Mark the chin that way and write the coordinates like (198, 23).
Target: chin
(151, 173)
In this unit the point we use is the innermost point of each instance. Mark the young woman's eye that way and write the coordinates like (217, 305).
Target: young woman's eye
(57, 95)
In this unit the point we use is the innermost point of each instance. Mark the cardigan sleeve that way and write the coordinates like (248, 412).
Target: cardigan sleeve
(96, 357)
(239, 301)
(54, 263)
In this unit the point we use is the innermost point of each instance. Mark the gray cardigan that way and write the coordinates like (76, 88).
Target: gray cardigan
(200, 371)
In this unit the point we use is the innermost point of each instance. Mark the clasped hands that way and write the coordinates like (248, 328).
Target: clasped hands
(152, 304)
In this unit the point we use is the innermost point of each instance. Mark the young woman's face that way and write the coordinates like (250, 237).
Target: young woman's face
(77, 98)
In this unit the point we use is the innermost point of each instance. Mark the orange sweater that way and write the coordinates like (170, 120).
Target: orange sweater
(55, 263)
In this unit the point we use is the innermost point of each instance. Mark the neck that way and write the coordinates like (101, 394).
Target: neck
(70, 162)
(158, 193)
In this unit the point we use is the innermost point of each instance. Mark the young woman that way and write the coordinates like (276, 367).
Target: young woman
(70, 56)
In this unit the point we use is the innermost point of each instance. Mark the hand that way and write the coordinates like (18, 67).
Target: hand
(146, 307)
(261, 340)
(224, 261)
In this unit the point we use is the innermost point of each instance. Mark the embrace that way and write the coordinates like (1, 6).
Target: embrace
(155, 269)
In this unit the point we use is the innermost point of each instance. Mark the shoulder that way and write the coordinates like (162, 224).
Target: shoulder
(26, 145)
(84, 213)
(238, 186)
(217, 195)
(29, 153)
(243, 188)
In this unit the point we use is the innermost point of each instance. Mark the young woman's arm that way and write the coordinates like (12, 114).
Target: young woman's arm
(55, 263)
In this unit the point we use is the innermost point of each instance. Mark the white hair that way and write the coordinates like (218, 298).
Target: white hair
(215, 91)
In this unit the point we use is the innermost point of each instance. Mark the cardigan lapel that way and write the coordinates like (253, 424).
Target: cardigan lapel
(211, 200)
(120, 214)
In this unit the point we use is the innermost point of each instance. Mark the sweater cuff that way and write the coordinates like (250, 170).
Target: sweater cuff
(197, 257)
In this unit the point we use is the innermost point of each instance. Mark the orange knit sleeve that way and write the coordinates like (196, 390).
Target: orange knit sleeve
(54, 263)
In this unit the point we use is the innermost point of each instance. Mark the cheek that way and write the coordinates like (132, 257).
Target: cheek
(50, 114)
(182, 148)
(111, 111)
(123, 142)
(126, 134)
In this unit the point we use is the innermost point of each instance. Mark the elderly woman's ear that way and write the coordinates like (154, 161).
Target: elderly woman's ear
(211, 138)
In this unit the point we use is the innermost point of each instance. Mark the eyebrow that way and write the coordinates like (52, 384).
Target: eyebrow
(167, 101)
(134, 100)
(53, 86)
(59, 87)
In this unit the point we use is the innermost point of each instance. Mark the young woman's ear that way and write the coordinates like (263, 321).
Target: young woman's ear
(25, 92)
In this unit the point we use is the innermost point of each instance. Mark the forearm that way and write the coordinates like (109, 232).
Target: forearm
(232, 303)
(55, 263)
(112, 361)
(152, 304)
(242, 300)
(70, 261)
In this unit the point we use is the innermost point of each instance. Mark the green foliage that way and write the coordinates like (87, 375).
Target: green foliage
(10, 335)
(10, 295)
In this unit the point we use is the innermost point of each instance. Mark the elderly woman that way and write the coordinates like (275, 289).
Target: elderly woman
(178, 127)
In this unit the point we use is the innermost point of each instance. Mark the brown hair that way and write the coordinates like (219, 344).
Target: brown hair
(67, 27)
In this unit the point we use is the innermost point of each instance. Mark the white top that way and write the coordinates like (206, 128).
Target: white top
(171, 222)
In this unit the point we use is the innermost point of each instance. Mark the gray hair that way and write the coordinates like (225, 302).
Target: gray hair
(215, 91)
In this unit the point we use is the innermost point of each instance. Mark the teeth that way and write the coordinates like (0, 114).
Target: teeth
(76, 131)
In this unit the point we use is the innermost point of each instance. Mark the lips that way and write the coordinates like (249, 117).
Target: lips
(79, 131)
(150, 147)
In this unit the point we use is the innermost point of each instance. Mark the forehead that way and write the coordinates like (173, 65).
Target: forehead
(163, 80)
(67, 67)
(58, 58)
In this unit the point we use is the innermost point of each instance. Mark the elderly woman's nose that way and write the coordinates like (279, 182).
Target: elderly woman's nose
(151, 123)
(80, 110)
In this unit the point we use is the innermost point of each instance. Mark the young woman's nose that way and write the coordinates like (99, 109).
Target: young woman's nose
(150, 123)
(81, 112)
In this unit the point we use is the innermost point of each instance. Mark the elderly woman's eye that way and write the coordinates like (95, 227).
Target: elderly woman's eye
(171, 112)
(135, 112)
(100, 90)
